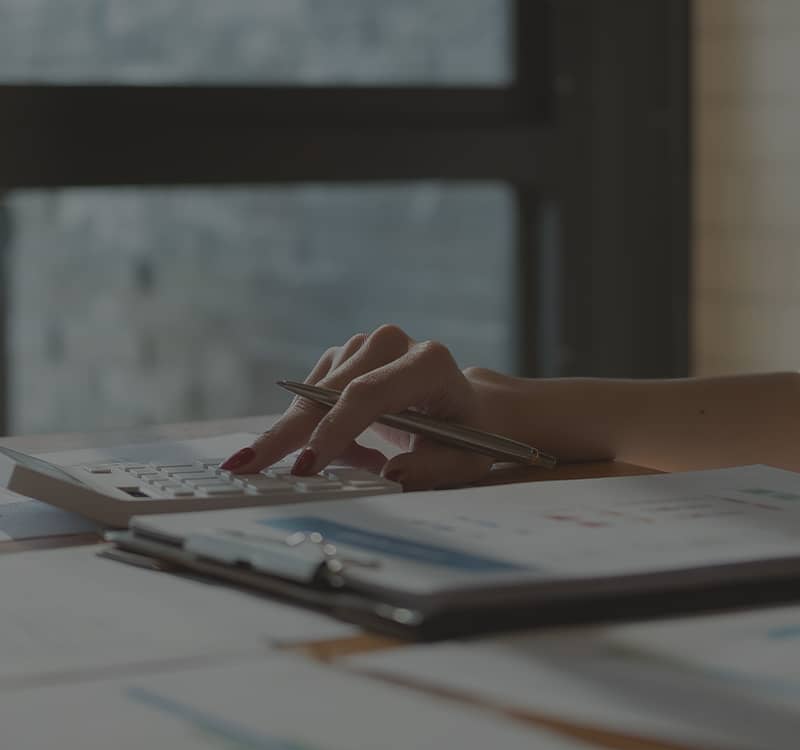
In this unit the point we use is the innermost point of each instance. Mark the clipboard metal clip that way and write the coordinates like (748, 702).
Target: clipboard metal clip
(301, 556)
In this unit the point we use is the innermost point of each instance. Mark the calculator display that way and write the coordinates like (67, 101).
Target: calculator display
(43, 467)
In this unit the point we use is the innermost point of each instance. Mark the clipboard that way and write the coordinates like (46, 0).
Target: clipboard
(303, 565)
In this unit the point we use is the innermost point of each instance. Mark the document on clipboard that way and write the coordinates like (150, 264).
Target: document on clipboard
(437, 564)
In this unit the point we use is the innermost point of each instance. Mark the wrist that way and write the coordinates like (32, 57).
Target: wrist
(575, 419)
(501, 402)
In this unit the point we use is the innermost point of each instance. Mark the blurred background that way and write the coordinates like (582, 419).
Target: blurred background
(198, 198)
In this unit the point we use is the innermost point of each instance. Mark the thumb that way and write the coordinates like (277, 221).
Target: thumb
(432, 465)
(363, 458)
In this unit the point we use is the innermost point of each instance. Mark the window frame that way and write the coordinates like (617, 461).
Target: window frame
(578, 135)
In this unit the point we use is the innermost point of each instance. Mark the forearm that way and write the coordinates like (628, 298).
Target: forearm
(674, 425)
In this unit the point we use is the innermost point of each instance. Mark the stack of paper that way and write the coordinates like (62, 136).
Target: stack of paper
(277, 703)
(67, 614)
(726, 681)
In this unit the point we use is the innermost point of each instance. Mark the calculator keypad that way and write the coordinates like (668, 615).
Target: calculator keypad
(204, 478)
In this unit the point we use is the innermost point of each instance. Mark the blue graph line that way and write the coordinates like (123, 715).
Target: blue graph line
(784, 632)
(393, 546)
(225, 730)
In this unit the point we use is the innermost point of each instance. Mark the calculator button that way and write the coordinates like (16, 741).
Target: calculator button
(181, 492)
(285, 490)
(266, 486)
(154, 481)
(314, 484)
(175, 467)
(168, 485)
(185, 476)
(295, 478)
(351, 475)
(99, 469)
(228, 489)
(210, 482)
(279, 472)
(261, 480)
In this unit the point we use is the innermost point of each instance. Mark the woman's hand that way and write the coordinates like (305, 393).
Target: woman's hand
(383, 372)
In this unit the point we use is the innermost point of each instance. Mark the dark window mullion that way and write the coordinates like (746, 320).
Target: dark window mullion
(265, 155)
(5, 242)
(56, 135)
(33, 105)
(533, 81)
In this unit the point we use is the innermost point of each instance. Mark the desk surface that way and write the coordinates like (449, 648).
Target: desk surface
(329, 651)
(189, 430)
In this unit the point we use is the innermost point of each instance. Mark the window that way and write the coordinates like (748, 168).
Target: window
(536, 145)
(134, 306)
(391, 42)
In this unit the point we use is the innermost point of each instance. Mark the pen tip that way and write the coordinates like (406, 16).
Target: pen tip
(282, 383)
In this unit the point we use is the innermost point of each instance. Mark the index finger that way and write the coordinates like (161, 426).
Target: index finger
(422, 374)
(360, 355)
(288, 433)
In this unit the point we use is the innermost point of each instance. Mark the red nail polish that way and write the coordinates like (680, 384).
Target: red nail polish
(306, 459)
(239, 459)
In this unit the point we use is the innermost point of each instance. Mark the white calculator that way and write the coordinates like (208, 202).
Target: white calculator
(112, 492)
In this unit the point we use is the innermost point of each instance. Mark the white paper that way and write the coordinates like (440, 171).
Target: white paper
(435, 541)
(729, 681)
(66, 613)
(273, 704)
(23, 518)
(758, 651)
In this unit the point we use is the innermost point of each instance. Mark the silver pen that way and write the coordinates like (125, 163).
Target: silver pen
(459, 436)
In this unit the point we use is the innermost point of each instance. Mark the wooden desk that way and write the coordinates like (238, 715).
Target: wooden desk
(330, 651)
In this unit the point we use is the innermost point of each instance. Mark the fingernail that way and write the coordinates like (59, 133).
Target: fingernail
(395, 475)
(239, 459)
(306, 459)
